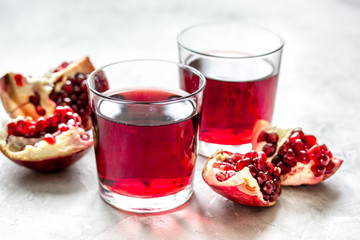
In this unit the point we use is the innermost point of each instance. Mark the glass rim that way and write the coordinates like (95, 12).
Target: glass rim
(240, 24)
(117, 100)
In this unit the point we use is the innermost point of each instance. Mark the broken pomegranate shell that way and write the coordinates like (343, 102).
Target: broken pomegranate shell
(38, 96)
(248, 179)
(302, 160)
(46, 144)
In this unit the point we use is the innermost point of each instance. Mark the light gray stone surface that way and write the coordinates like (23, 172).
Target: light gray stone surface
(319, 90)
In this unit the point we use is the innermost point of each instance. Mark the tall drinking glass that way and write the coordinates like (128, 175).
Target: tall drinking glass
(146, 133)
(241, 64)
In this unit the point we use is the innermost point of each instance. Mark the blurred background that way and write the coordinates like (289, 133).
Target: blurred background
(318, 90)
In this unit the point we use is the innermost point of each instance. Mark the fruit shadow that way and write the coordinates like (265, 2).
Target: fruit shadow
(56, 183)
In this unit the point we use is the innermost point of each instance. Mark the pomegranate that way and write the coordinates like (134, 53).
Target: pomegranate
(38, 96)
(302, 160)
(47, 144)
(248, 179)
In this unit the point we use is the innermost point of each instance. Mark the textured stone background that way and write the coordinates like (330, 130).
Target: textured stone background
(319, 90)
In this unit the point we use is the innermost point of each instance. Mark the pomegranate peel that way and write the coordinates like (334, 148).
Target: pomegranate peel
(297, 154)
(242, 187)
(36, 152)
(39, 96)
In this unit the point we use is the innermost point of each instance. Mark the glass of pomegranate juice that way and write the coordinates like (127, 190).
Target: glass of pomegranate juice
(241, 65)
(146, 133)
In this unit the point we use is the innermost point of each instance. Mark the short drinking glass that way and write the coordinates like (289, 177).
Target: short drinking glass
(241, 65)
(146, 133)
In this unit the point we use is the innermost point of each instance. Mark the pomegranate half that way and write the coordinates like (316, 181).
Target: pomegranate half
(248, 179)
(49, 143)
(38, 96)
(302, 160)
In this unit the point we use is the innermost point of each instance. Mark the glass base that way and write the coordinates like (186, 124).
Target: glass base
(146, 205)
(207, 149)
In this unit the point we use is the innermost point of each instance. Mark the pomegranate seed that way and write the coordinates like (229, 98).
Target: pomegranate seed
(71, 122)
(226, 166)
(238, 156)
(272, 138)
(63, 127)
(309, 140)
(320, 170)
(261, 178)
(230, 174)
(301, 133)
(290, 155)
(266, 197)
(262, 136)
(220, 176)
(277, 171)
(302, 156)
(11, 128)
(268, 187)
(298, 145)
(40, 110)
(274, 197)
(68, 109)
(252, 154)
(293, 137)
(84, 87)
(18, 79)
(67, 100)
(35, 99)
(330, 167)
(60, 112)
(263, 157)
(252, 170)
(32, 131)
(276, 159)
(242, 163)
(324, 160)
(67, 87)
(324, 148)
(314, 152)
(257, 163)
(21, 127)
(269, 149)
(270, 166)
(52, 121)
(50, 139)
(41, 124)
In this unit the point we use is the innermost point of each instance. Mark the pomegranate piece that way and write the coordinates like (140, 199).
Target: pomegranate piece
(251, 180)
(38, 96)
(46, 144)
(301, 159)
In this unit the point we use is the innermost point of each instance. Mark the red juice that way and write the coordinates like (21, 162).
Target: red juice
(144, 151)
(237, 93)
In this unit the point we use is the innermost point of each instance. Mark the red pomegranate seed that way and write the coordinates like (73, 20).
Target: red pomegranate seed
(226, 166)
(41, 124)
(261, 178)
(324, 148)
(220, 176)
(11, 128)
(67, 87)
(301, 133)
(319, 170)
(268, 187)
(252, 154)
(60, 112)
(68, 109)
(35, 99)
(238, 156)
(269, 149)
(294, 137)
(277, 171)
(270, 166)
(324, 159)
(50, 139)
(309, 140)
(40, 110)
(302, 156)
(330, 167)
(52, 121)
(314, 152)
(32, 131)
(242, 163)
(21, 127)
(262, 136)
(298, 146)
(252, 170)
(257, 163)
(63, 127)
(18, 79)
(263, 157)
(272, 138)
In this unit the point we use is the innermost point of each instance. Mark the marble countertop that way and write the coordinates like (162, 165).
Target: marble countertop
(319, 90)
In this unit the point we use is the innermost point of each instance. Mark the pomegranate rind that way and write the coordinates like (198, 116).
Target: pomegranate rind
(300, 174)
(15, 99)
(68, 148)
(241, 188)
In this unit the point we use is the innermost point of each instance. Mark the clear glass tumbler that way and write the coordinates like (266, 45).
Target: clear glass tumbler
(241, 64)
(146, 133)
